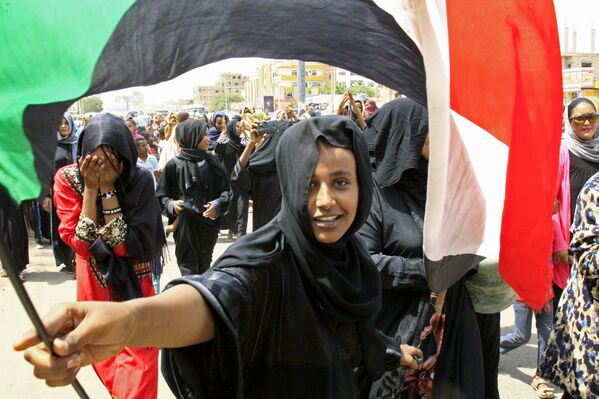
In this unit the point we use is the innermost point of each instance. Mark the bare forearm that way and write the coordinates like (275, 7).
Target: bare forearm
(88, 208)
(176, 318)
(361, 121)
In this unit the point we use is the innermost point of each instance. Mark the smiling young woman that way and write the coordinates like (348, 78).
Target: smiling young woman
(285, 312)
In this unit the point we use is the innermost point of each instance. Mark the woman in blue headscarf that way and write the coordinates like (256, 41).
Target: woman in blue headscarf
(66, 154)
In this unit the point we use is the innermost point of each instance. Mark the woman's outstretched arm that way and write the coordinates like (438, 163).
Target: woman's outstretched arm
(89, 332)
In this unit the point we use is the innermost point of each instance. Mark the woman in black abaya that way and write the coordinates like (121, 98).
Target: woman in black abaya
(256, 172)
(229, 147)
(393, 230)
(194, 188)
(397, 135)
(13, 232)
(65, 154)
(286, 312)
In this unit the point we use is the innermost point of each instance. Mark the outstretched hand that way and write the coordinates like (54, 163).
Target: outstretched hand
(86, 333)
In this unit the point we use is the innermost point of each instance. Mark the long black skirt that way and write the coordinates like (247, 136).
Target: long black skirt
(63, 254)
(194, 243)
(13, 230)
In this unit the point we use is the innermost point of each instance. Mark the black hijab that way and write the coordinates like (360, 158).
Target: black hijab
(262, 160)
(341, 278)
(234, 139)
(135, 190)
(398, 130)
(189, 134)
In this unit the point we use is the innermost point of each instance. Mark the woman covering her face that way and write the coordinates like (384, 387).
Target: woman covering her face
(286, 312)
(110, 217)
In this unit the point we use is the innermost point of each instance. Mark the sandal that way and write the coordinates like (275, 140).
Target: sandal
(542, 388)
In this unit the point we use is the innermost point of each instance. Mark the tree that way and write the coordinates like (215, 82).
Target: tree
(369, 91)
(339, 88)
(91, 104)
(223, 101)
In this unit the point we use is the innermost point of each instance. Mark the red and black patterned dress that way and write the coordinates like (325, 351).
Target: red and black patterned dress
(133, 373)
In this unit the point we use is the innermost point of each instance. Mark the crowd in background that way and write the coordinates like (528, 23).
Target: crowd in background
(209, 170)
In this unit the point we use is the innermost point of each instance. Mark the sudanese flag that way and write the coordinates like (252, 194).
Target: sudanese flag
(489, 73)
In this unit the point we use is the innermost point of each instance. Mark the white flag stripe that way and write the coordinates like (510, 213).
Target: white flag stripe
(404, 13)
(488, 157)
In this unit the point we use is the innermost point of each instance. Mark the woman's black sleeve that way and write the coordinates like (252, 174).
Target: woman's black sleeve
(167, 190)
(397, 272)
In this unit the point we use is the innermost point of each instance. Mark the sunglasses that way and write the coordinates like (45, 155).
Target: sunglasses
(581, 119)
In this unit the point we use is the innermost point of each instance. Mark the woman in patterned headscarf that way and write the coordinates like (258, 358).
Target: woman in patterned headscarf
(110, 217)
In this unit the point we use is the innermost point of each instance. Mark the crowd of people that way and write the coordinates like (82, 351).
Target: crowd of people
(328, 295)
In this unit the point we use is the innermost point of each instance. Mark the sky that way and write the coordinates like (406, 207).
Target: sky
(182, 86)
(579, 15)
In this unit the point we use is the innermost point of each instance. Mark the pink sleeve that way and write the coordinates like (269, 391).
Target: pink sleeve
(561, 220)
(559, 242)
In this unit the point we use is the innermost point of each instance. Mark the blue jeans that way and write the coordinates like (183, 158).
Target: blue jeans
(523, 325)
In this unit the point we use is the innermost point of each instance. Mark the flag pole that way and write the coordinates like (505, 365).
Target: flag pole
(16, 282)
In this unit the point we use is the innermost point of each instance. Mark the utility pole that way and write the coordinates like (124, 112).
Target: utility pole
(226, 96)
(301, 82)
(333, 86)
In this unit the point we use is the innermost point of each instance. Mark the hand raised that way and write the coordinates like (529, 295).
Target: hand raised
(89, 167)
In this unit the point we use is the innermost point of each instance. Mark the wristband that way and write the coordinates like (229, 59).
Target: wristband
(112, 211)
(108, 194)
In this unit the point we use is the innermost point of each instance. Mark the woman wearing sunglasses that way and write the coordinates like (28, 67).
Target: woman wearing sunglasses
(579, 161)
(567, 345)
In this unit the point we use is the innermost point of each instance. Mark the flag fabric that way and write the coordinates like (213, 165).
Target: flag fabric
(489, 74)
(495, 103)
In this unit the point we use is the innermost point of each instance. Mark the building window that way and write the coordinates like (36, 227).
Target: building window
(586, 64)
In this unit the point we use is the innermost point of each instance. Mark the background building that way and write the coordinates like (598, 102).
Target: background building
(580, 73)
(228, 83)
(279, 80)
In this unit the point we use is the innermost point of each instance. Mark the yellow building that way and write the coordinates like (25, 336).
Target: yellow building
(279, 80)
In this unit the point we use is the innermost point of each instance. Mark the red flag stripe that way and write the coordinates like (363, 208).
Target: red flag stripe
(506, 78)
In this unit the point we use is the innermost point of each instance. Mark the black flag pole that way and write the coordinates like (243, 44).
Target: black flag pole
(16, 282)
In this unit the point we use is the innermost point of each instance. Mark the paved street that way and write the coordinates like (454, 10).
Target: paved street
(47, 286)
